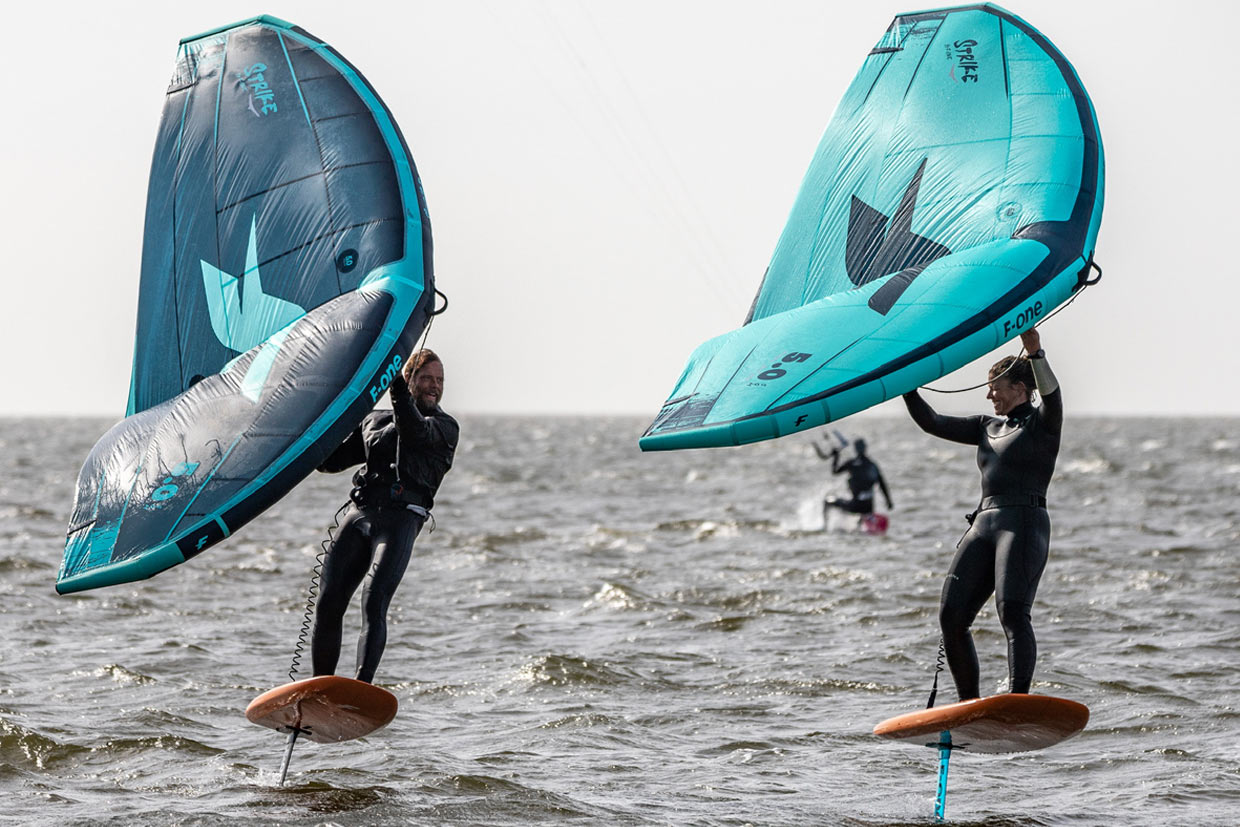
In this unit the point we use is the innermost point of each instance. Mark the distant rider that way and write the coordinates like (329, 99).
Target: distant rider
(1005, 549)
(863, 475)
(406, 453)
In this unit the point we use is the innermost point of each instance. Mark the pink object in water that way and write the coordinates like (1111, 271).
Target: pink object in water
(874, 523)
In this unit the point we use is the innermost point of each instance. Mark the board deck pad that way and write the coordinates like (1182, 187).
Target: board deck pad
(1000, 723)
(325, 709)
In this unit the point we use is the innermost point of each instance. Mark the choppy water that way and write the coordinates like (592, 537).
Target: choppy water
(593, 635)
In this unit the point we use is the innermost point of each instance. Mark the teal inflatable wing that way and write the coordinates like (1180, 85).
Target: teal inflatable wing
(286, 274)
(952, 203)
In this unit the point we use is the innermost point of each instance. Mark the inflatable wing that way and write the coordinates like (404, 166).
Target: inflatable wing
(953, 202)
(286, 273)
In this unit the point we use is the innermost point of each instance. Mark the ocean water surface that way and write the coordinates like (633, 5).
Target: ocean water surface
(592, 635)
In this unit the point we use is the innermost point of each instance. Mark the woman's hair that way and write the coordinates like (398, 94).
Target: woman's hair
(1014, 369)
(418, 361)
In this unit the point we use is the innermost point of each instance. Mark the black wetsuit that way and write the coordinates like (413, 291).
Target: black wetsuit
(1006, 546)
(375, 538)
(863, 475)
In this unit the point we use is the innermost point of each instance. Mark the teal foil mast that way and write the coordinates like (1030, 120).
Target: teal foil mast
(286, 273)
(945, 756)
(953, 202)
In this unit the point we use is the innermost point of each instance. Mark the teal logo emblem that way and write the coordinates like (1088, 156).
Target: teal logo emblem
(244, 317)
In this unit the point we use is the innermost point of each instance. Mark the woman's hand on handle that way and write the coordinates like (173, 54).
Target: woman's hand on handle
(1031, 340)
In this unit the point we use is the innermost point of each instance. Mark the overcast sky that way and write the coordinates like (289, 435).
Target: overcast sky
(607, 181)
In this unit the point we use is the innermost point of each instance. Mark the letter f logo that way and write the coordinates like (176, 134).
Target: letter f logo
(242, 315)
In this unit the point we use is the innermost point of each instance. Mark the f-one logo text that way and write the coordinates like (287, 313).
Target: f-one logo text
(386, 379)
(261, 93)
(1023, 318)
(965, 69)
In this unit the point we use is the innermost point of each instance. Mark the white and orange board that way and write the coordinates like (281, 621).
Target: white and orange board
(325, 709)
(1000, 723)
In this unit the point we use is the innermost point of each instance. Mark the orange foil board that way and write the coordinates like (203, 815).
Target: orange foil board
(1000, 723)
(326, 709)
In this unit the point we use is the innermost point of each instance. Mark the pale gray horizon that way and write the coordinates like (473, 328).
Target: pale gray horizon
(607, 181)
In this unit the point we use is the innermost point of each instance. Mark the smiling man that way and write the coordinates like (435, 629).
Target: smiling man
(1005, 549)
(404, 453)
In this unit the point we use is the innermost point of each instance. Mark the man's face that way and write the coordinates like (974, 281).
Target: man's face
(428, 385)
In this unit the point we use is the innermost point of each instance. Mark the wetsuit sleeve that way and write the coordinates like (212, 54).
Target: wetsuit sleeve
(836, 468)
(416, 429)
(882, 484)
(1051, 410)
(351, 452)
(965, 429)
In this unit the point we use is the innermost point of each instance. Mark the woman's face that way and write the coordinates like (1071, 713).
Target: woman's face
(1006, 395)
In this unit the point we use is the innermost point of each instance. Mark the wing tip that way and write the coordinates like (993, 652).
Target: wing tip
(709, 436)
(720, 435)
(141, 567)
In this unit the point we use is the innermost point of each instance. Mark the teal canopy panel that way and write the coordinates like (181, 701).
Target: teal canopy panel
(953, 202)
(286, 274)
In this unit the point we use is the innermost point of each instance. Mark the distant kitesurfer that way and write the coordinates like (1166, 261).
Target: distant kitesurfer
(863, 475)
(405, 454)
(1005, 549)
